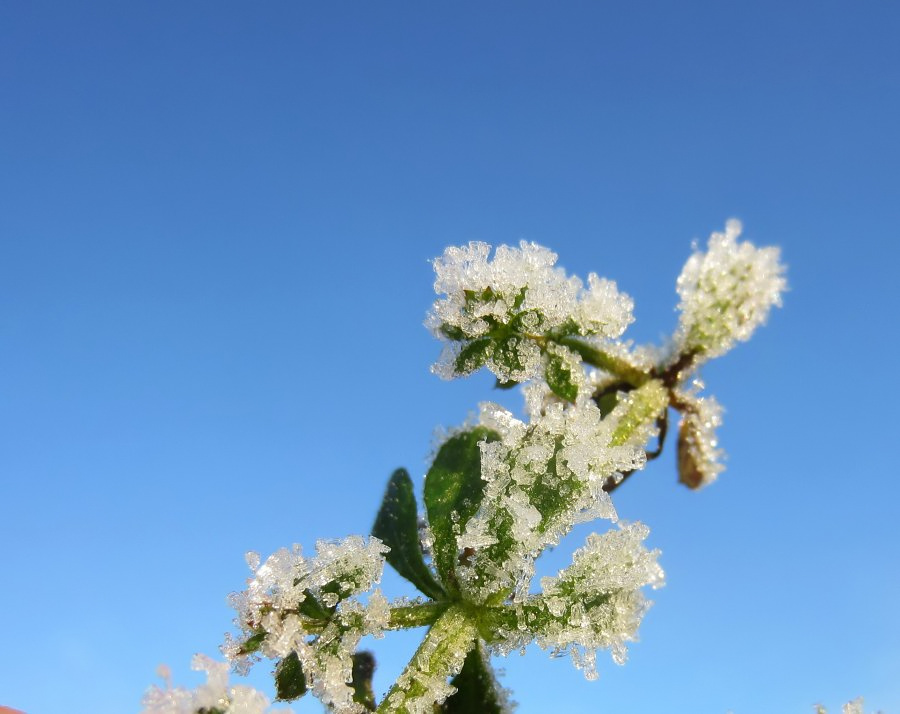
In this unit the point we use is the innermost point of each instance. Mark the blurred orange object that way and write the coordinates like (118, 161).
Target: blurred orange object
(7, 710)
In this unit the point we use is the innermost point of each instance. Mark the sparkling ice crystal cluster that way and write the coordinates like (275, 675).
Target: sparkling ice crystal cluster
(502, 490)
(213, 697)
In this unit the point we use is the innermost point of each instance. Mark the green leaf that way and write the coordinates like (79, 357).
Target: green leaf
(505, 385)
(452, 332)
(361, 679)
(253, 643)
(453, 492)
(397, 526)
(527, 321)
(520, 298)
(647, 403)
(290, 682)
(607, 399)
(312, 608)
(474, 355)
(558, 374)
(606, 361)
(506, 353)
(476, 687)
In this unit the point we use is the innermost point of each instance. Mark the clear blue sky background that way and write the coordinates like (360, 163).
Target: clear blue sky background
(215, 226)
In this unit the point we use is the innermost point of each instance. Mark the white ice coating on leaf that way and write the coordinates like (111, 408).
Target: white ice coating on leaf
(522, 283)
(540, 480)
(727, 292)
(278, 587)
(596, 603)
(699, 456)
(214, 694)
(328, 661)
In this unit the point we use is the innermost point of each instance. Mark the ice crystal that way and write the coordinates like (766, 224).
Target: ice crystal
(727, 292)
(699, 455)
(214, 696)
(495, 308)
(540, 480)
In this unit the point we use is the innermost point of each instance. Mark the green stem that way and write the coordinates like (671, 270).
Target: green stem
(606, 361)
(405, 616)
(440, 656)
(647, 402)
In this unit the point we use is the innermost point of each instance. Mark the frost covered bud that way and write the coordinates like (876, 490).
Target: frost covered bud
(699, 458)
(499, 312)
(727, 292)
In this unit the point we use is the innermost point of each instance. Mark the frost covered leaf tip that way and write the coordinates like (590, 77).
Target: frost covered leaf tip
(502, 312)
(727, 292)
(307, 608)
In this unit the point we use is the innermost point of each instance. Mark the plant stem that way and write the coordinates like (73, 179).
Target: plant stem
(405, 616)
(441, 655)
(607, 362)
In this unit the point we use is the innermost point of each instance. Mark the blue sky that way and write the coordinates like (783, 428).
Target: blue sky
(215, 226)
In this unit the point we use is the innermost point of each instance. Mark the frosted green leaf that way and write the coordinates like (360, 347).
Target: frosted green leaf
(477, 689)
(290, 682)
(397, 526)
(362, 673)
(473, 355)
(563, 372)
(328, 660)
(453, 492)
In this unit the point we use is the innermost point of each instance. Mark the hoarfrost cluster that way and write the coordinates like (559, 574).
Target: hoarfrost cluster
(213, 697)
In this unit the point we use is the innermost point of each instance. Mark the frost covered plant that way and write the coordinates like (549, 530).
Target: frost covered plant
(503, 489)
